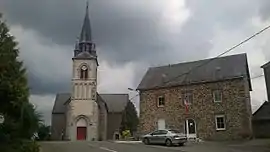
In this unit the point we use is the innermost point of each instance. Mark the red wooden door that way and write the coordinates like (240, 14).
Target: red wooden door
(81, 133)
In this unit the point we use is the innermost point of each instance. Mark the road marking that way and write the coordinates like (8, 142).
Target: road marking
(104, 148)
(128, 142)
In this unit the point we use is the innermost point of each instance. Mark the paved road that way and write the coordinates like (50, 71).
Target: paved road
(104, 146)
(100, 147)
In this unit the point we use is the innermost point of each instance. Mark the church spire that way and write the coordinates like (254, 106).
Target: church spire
(86, 28)
(85, 48)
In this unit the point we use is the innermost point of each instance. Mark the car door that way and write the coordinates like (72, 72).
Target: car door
(161, 137)
(154, 137)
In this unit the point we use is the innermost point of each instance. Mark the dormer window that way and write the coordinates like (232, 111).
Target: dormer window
(84, 72)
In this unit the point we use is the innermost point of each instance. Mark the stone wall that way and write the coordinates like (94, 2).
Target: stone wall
(114, 123)
(88, 111)
(261, 128)
(235, 106)
(58, 125)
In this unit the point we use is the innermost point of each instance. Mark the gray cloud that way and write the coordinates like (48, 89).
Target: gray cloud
(40, 86)
(264, 9)
(125, 31)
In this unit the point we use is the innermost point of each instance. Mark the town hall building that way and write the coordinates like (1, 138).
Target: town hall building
(84, 114)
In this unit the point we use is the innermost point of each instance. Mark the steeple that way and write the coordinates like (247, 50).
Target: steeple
(85, 47)
(86, 28)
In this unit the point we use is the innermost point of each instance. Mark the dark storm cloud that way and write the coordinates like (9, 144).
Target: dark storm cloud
(127, 30)
(123, 30)
(40, 86)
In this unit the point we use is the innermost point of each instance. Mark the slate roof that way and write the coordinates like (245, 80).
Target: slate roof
(263, 113)
(84, 55)
(223, 68)
(114, 102)
(86, 28)
(59, 103)
(265, 65)
(99, 99)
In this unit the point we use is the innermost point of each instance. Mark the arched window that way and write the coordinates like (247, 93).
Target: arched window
(84, 72)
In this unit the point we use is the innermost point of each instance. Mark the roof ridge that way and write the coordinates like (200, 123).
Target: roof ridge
(198, 71)
(265, 65)
(265, 103)
(193, 61)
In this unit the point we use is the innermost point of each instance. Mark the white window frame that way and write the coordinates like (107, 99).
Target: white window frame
(186, 96)
(158, 101)
(224, 121)
(214, 95)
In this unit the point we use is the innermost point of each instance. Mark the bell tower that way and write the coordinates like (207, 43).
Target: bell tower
(82, 106)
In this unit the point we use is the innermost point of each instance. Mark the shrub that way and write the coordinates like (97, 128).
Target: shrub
(20, 146)
(29, 146)
(126, 134)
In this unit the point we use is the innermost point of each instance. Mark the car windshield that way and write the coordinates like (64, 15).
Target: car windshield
(175, 131)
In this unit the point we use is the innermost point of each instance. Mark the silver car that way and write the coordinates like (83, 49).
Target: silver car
(167, 136)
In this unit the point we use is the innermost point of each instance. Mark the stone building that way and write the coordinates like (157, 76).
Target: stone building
(261, 118)
(261, 121)
(208, 102)
(84, 114)
(266, 69)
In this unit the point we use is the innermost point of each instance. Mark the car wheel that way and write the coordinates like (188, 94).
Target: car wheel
(168, 142)
(146, 141)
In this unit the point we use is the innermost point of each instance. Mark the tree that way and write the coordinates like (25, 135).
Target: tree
(43, 132)
(21, 119)
(30, 121)
(130, 118)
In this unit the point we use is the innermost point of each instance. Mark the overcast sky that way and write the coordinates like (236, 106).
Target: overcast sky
(132, 35)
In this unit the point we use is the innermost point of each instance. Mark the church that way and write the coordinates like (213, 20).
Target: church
(84, 114)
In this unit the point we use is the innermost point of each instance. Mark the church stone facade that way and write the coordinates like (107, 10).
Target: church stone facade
(83, 114)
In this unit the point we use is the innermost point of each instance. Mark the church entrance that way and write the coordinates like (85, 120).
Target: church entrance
(81, 129)
(81, 133)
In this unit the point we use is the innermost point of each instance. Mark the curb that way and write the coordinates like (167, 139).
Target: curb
(128, 142)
